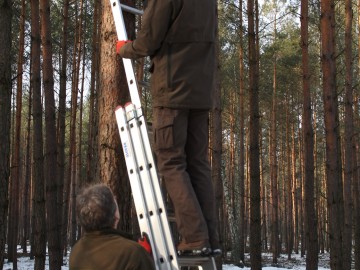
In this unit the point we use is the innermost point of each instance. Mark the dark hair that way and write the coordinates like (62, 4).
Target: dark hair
(95, 208)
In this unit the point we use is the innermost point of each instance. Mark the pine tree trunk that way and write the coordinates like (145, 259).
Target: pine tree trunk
(38, 178)
(335, 201)
(113, 92)
(356, 164)
(288, 185)
(27, 177)
(233, 205)
(356, 189)
(301, 198)
(5, 116)
(53, 234)
(15, 162)
(61, 127)
(264, 202)
(71, 172)
(241, 221)
(274, 169)
(255, 218)
(349, 139)
(76, 169)
(308, 137)
(91, 158)
(216, 152)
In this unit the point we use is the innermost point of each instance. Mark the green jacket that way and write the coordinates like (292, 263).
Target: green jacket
(179, 36)
(109, 250)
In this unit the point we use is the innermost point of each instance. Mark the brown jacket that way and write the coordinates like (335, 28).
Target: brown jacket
(109, 250)
(179, 36)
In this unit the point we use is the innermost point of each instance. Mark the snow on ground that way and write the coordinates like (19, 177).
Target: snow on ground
(296, 262)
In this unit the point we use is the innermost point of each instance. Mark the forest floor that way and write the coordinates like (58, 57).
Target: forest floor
(296, 262)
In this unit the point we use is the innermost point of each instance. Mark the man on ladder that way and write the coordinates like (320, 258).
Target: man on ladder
(179, 36)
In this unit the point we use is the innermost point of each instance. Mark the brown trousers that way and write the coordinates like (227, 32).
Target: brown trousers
(181, 148)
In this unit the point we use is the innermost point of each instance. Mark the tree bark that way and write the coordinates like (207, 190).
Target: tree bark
(241, 221)
(288, 185)
(113, 91)
(273, 164)
(216, 149)
(38, 178)
(255, 218)
(91, 157)
(27, 177)
(349, 138)
(335, 201)
(15, 162)
(5, 116)
(53, 234)
(308, 135)
(61, 126)
(356, 189)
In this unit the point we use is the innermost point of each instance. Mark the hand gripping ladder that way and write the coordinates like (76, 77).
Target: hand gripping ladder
(148, 199)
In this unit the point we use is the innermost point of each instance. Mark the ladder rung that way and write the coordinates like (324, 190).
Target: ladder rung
(144, 84)
(131, 9)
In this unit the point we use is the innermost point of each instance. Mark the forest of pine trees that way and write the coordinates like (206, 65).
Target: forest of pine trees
(284, 130)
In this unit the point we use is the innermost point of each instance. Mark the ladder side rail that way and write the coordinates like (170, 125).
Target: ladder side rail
(156, 185)
(156, 210)
(132, 83)
(122, 35)
(134, 177)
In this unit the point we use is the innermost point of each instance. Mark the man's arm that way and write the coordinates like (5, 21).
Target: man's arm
(155, 24)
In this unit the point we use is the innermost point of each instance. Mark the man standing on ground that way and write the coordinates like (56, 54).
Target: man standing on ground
(179, 36)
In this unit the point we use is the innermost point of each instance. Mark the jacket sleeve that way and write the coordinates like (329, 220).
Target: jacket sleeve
(155, 24)
(142, 260)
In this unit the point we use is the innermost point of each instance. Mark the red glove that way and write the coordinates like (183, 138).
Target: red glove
(145, 243)
(121, 43)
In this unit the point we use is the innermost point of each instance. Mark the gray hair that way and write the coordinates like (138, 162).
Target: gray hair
(95, 208)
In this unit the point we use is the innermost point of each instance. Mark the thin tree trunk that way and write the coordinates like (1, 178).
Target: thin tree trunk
(264, 201)
(38, 201)
(349, 138)
(5, 117)
(255, 217)
(241, 221)
(27, 186)
(216, 149)
(356, 163)
(274, 166)
(71, 173)
(53, 235)
(301, 198)
(77, 146)
(15, 162)
(356, 189)
(61, 127)
(335, 201)
(308, 134)
(233, 205)
(91, 158)
(295, 195)
(288, 185)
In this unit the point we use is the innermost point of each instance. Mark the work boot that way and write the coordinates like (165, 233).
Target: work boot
(216, 252)
(195, 248)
